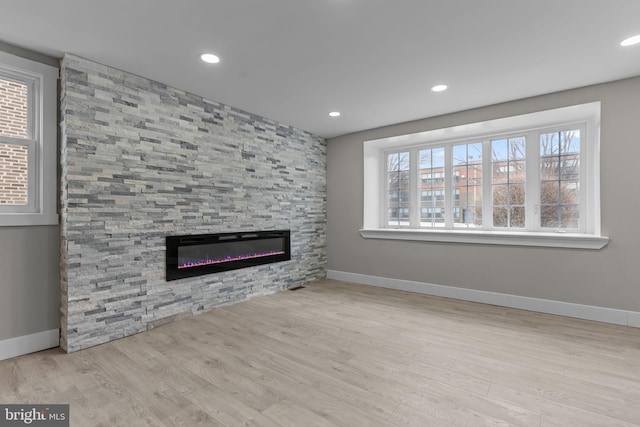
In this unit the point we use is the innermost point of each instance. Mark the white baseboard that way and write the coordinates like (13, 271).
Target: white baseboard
(26, 344)
(587, 312)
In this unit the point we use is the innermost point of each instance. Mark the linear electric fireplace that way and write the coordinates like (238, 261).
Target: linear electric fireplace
(194, 255)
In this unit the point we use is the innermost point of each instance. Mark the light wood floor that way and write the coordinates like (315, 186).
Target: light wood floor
(334, 354)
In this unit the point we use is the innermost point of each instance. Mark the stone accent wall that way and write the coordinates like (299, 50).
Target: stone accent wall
(13, 158)
(139, 161)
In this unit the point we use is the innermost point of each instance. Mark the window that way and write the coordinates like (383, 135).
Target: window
(508, 182)
(431, 166)
(27, 142)
(560, 179)
(467, 183)
(16, 145)
(398, 188)
(535, 186)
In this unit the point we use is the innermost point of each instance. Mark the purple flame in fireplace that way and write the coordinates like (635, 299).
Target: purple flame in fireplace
(186, 263)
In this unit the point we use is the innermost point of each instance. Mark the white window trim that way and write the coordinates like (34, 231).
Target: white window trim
(554, 240)
(374, 181)
(42, 105)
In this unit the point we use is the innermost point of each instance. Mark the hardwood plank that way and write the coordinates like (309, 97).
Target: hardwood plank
(291, 414)
(554, 413)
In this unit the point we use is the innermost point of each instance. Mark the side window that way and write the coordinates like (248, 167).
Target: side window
(398, 183)
(28, 142)
(15, 143)
(560, 179)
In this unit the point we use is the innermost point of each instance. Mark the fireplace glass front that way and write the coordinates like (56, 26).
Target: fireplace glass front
(194, 255)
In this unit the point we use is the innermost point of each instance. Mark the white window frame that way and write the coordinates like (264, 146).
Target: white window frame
(41, 142)
(584, 116)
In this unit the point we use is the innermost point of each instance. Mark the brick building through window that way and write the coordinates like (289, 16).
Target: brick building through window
(13, 158)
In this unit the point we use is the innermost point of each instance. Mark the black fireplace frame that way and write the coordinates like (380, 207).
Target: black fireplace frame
(174, 242)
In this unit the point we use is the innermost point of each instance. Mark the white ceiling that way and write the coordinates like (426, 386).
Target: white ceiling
(294, 61)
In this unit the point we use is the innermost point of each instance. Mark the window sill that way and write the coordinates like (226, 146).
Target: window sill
(553, 240)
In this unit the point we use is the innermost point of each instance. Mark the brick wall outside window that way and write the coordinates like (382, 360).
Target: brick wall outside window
(13, 158)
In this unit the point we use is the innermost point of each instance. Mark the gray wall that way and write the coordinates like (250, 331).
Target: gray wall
(29, 284)
(140, 161)
(607, 278)
(29, 278)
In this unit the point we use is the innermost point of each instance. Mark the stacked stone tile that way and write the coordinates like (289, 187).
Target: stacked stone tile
(141, 160)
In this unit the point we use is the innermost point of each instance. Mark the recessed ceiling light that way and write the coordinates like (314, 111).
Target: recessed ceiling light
(439, 88)
(210, 58)
(630, 41)
(335, 114)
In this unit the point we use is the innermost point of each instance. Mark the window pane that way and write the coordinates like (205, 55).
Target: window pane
(426, 160)
(393, 216)
(500, 194)
(460, 157)
(392, 162)
(438, 158)
(467, 216)
(516, 217)
(398, 176)
(560, 179)
(517, 148)
(570, 141)
(517, 172)
(500, 217)
(549, 216)
(549, 168)
(432, 182)
(550, 144)
(549, 192)
(473, 215)
(516, 194)
(403, 161)
(14, 176)
(500, 150)
(508, 181)
(501, 173)
(570, 167)
(467, 184)
(474, 195)
(569, 216)
(570, 192)
(13, 109)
